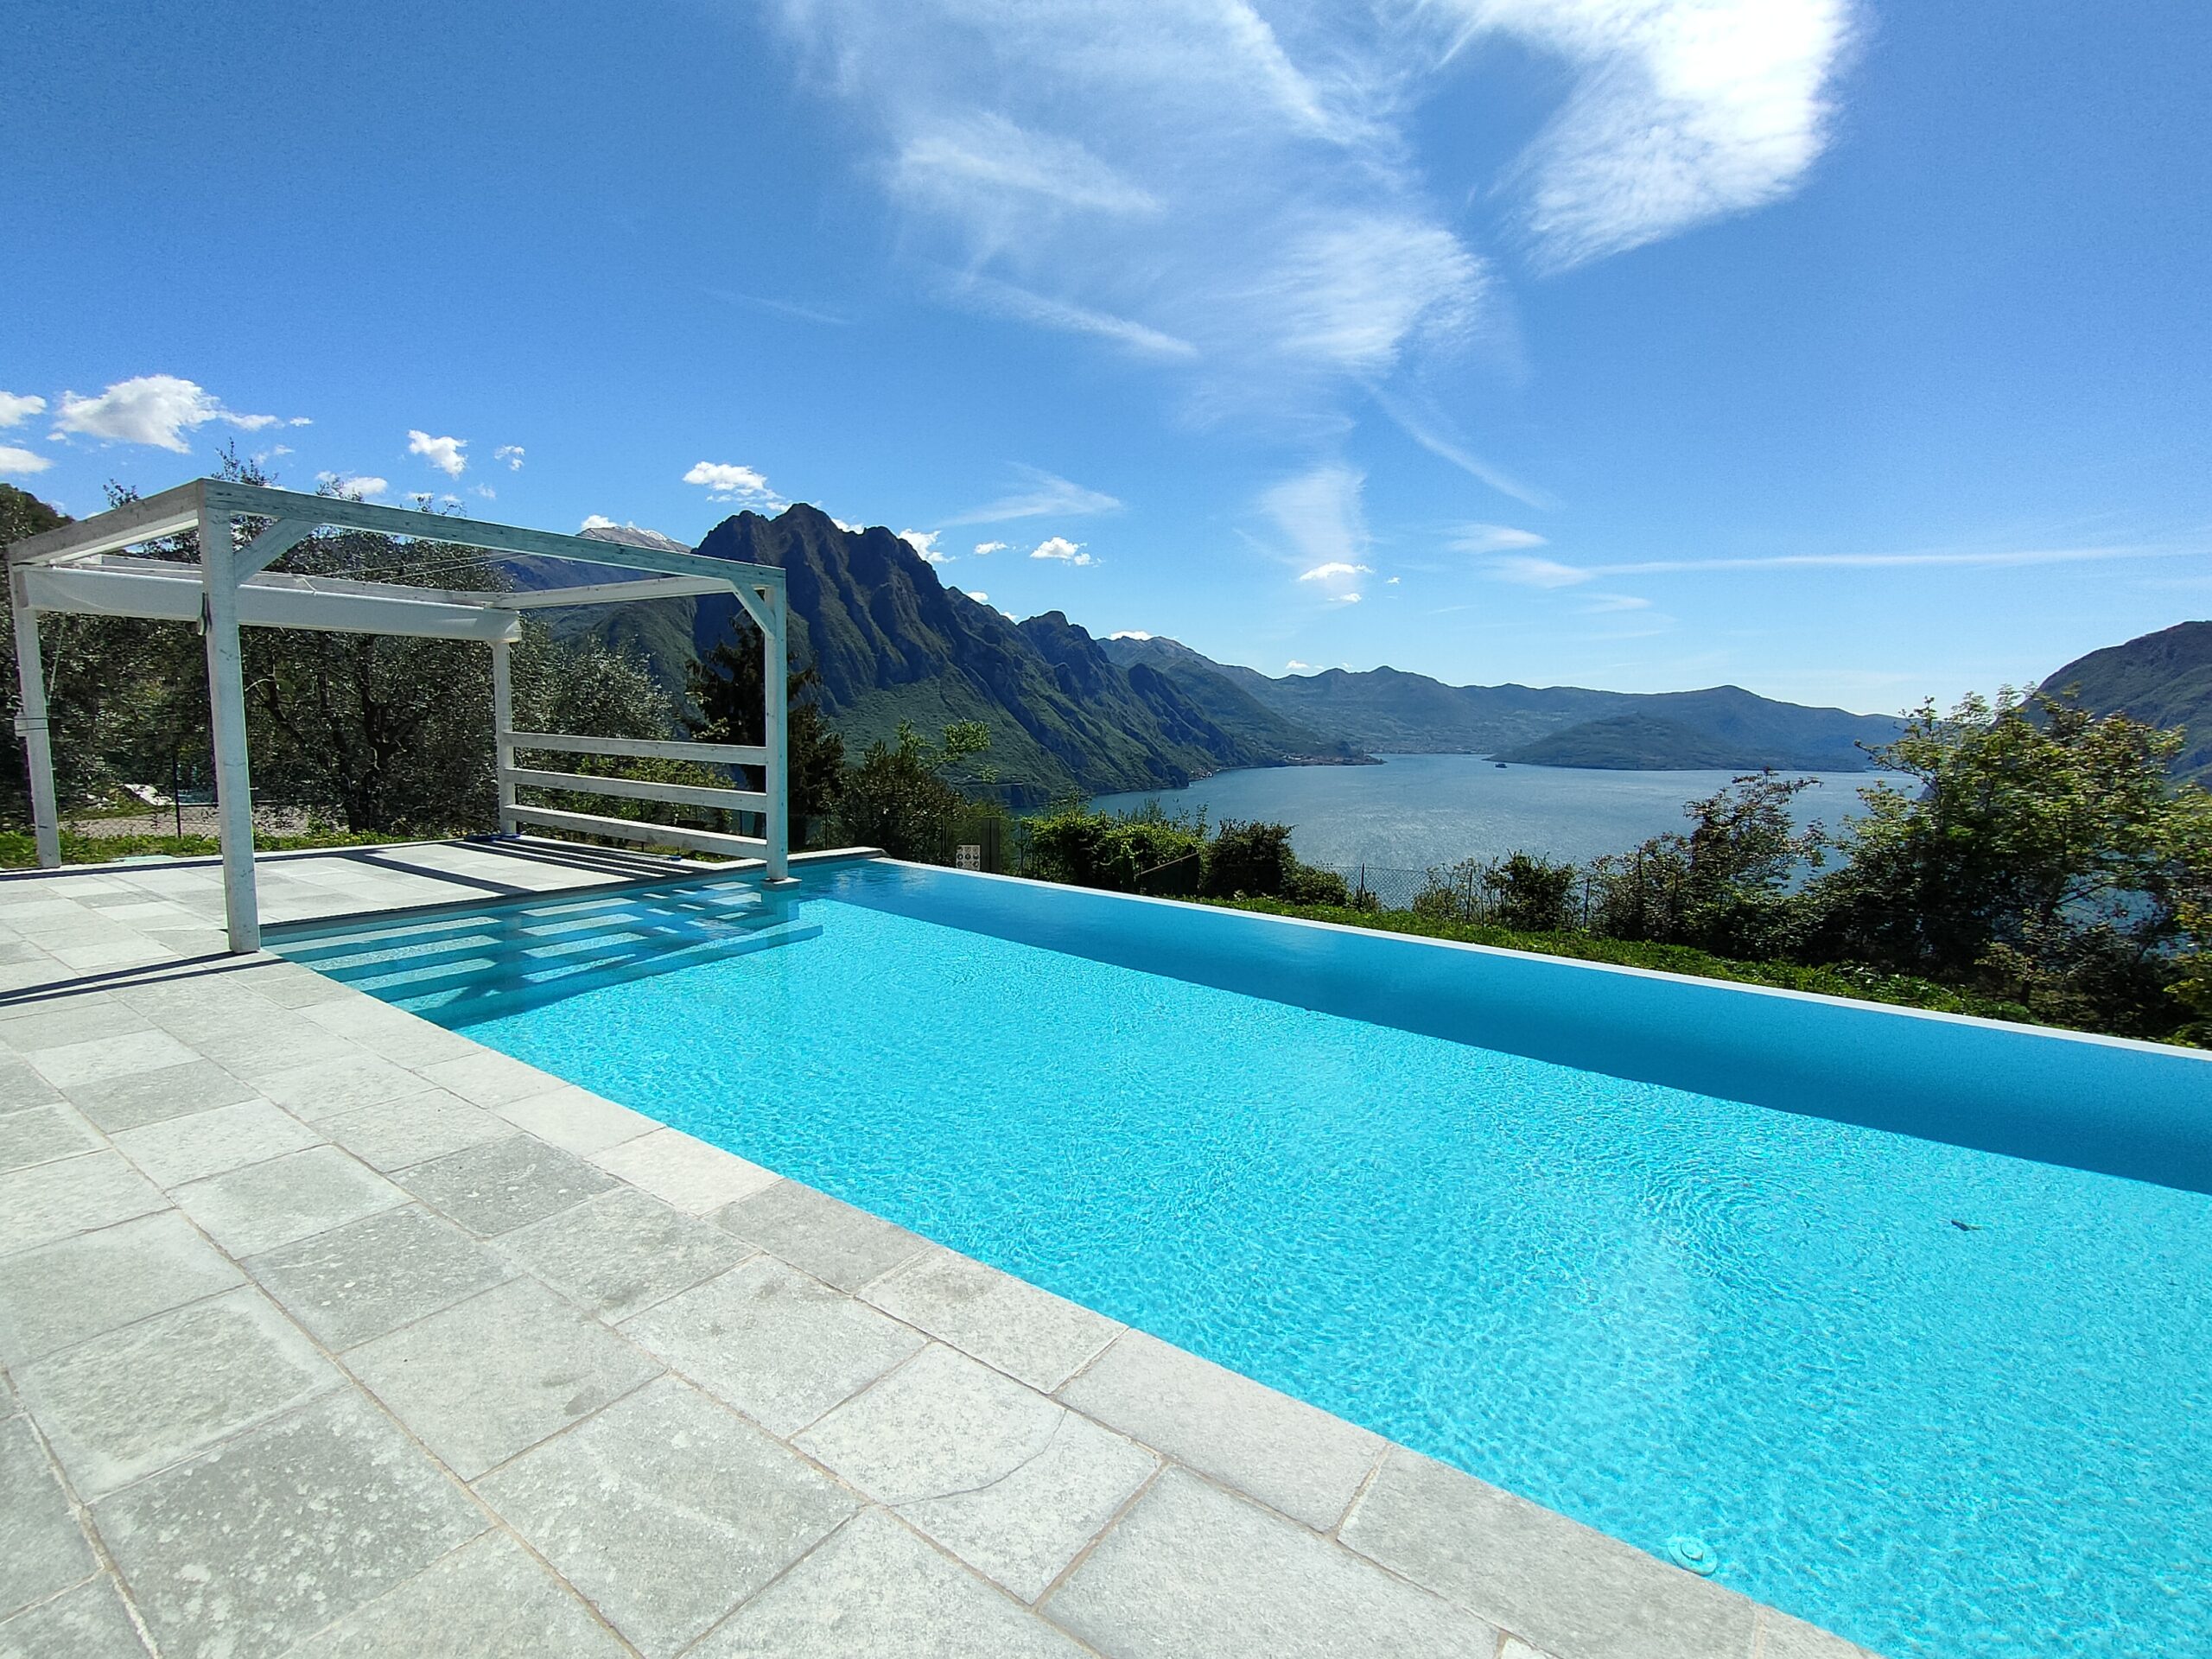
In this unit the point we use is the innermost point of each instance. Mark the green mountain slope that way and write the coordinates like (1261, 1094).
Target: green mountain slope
(1632, 743)
(2163, 679)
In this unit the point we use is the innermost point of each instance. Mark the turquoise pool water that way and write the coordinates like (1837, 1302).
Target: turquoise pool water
(1943, 1401)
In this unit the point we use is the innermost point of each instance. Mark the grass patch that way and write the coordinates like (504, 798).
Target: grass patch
(19, 850)
(1860, 984)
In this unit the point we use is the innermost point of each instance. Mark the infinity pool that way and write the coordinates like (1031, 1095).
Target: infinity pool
(1943, 1401)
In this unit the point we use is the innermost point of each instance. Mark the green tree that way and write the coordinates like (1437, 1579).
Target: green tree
(2040, 851)
(1726, 885)
(897, 797)
(726, 689)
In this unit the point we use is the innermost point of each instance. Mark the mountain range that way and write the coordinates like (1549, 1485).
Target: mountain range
(2163, 680)
(1070, 712)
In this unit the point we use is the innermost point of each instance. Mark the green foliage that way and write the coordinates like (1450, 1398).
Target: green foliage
(726, 689)
(19, 850)
(1144, 850)
(2042, 853)
(896, 797)
(1521, 890)
(1861, 984)
(1248, 858)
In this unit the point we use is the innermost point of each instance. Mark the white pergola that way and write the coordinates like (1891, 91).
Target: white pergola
(83, 569)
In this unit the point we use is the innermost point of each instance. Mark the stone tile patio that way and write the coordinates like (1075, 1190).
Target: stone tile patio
(325, 1332)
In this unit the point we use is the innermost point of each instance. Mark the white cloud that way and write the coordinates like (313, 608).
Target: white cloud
(597, 521)
(1335, 568)
(984, 549)
(511, 454)
(1345, 599)
(923, 541)
(1319, 512)
(1494, 538)
(1530, 572)
(1684, 111)
(725, 482)
(15, 408)
(1293, 666)
(1606, 604)
(359, 484)
(484, 490)
(151, 409)
(21, 461)
(1007, 300)
(1129, 633)
(977, 594)
(850, 530)
(444, 454)
(1390, 582)
(1045, 493)
(1059, 547)
(978, 162)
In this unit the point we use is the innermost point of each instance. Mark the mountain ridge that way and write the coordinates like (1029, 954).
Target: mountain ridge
(2163, 679)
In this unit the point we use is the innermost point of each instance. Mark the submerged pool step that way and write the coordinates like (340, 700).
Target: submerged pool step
(484, 965)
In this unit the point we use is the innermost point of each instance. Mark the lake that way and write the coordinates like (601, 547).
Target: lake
(1416, 810)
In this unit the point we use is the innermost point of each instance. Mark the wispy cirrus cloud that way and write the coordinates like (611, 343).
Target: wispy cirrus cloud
(1041, 493)
(1493, 538)
(1334, 568)
(1682, 112)
(1549, 573)
(1319, 512)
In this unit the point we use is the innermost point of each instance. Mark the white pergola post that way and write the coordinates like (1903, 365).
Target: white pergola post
(30, 724)
(218, 622)
(503, 732)
(775, 783)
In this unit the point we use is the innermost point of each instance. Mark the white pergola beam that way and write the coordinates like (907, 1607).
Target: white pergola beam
(611, 593)
(644, 748)
(267, 601)
(169, 513)
(637, 789)
(644, 835)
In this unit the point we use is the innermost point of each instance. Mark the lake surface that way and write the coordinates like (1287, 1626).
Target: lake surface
(1416, 810)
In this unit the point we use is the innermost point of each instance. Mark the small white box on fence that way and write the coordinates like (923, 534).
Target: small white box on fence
(968, 856)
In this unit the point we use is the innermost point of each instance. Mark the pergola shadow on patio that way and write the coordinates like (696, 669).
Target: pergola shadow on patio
(83, 569)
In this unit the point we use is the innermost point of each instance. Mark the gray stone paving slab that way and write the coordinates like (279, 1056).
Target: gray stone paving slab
(88, 1623)
(686, 1172)
(488, 1600)
(622, 1251)
(76, 1289)
(1009, 1481)
(818, 1234)
(122, 1405)
(42, 1550)
(875, 1588)
(392, 1033)
(1030, 1334)
(40, 1135)
(180, 1150)
(1194, 1569)
(21, 1087)
(1575, 1591)
(486, 1077)
(54, 1022)
(154, 1097)
(1784, 1638)
(491, 1375)
(1283, 1451)
(576, 1120)
(376, 1274)
(504, 1184)
(243, 1552)
(414, 1129)
(262, 1205)
(666, 1510)
(100, 1057)
(50, 1201)
(333, 1085)
(779, 1346)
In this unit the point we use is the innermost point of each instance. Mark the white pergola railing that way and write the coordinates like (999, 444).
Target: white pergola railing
(83, 569)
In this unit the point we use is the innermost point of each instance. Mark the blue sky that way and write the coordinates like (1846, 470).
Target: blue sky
(1850, 352)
